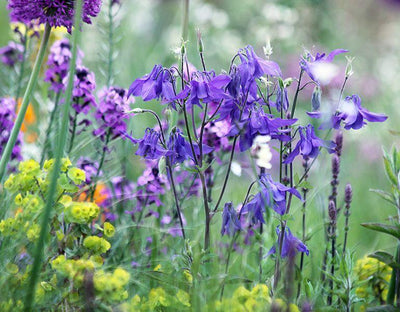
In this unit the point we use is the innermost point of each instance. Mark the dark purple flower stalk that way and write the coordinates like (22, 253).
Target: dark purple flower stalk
(230, 221)
(7, 116)
(309, 144)
(11, 53)
(82, 94)
(58, 64)
(54, 12)
(111, 111)
(290, 244)
(348, 195)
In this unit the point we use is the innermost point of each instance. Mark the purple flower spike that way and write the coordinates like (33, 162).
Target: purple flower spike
(84, 84)
(309, 144)
(54, 12)
(11, 53)
(111, 112)
(319, 68)
(230, 221)
(291, 244)
(58, 64)
(7, 117)
(159, 84)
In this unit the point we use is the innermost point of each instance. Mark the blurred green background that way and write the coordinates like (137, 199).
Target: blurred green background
(150, 33)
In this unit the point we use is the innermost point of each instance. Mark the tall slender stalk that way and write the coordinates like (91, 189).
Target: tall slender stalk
(38, 252)
(110, 44)
(185, 25)
(25, 102)
(22, 69)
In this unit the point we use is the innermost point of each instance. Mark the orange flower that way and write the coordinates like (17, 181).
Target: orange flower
(99, 196)
(30, 116)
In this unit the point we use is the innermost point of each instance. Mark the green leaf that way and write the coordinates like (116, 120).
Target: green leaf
(385, 195)
(393, 230)
(389, 171)
(385, 258)
(383, 308)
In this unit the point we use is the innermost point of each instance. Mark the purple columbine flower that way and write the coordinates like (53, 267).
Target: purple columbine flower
(282, 101)
(230, 220)
(275, 193)
(58, 64)
(351, 113)
(54, 12)
(205, 87)
(7, 117)
(111, 111)
(11, 53)
(309, 144)
(149, 145)
(319, 68)
(260, 123)
(158, 84)
(254, 209)
(179, 148)
(291, 244)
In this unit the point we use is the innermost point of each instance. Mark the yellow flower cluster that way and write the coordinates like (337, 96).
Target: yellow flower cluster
(111, 286)
(79, 212)
(375, 276)
(97, 245)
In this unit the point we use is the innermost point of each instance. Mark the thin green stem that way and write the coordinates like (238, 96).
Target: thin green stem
(22, 70)
(25, 102)
(73, 132)
(38, 252)
(48, 131)
(110, 44)
(185, 25)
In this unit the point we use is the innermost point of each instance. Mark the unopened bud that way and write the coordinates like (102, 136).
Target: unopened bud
(335, 165)
(332, 211)
(199, 41)
(348, 194)
(339, 142)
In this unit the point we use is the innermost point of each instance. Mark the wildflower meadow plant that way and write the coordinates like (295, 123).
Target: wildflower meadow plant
(115, 217)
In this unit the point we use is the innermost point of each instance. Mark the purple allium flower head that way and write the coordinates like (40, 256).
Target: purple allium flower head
(90, 167)
(149, 146)
(230, 220)
(205, 87)
(11, 53)
(158, 84)
(290, 243)
(84, 85)
(58, 64)
(351, 113)
(111, 112)
(54, 12)
(319, 68)
(7, 117)
(309, 144)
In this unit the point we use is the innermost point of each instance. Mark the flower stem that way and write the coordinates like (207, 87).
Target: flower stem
(25, 102)
(110, 44)
(38, 252)
(22, 70)
(185, 25)
(48, 131)
(73, 131)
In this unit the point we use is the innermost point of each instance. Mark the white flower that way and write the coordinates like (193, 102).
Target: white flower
(261, 151)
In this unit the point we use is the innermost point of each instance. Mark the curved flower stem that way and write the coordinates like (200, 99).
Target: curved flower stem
(185, 25)
(178, 208)
(227, 174)
(48, 131)
(22, 70)
(25, 102)
(227, 262)
(38, 252)
(110, 44)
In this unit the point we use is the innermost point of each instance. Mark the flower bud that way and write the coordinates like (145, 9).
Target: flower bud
(332, 211)
(335, 165)
(348, 194)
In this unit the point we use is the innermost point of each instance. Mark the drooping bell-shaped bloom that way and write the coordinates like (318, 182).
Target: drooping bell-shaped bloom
(54, 12)
(149, 145)
(282, 101)
(291, 244)
(309, 144)
(351, 113)
(158, 84)
(319, 67)
(230, 221)
(179, 148)
(205, 87)
(275, 193)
